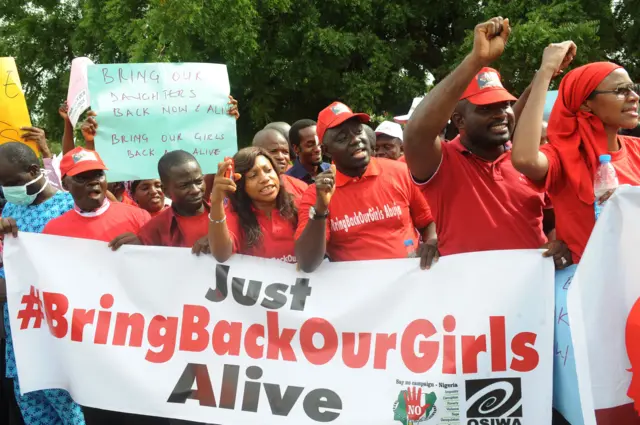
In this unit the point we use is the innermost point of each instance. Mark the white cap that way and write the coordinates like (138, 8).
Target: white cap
(402, 119)
(390, 129)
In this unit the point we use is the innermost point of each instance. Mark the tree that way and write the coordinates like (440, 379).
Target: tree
(288, 59)
(536, 24)
(38, 34)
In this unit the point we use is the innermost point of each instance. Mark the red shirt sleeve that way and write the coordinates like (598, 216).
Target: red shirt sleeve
(149, 234)
(555, 169)
(294, 186)
(142, 217)
(420, 211)
(233, 226)
(52, 228)
(309, 200)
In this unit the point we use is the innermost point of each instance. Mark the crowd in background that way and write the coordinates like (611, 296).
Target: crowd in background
(473, 169)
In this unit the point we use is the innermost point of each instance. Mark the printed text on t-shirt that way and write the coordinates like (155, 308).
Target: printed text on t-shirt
(359, 218)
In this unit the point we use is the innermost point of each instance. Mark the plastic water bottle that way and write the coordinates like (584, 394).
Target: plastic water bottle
(606, 179)
(411, 250)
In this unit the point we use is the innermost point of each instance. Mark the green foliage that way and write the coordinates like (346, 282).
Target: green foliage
(535, 25)
(288, 59)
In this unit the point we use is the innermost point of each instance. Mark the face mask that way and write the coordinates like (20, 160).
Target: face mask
(18, 194)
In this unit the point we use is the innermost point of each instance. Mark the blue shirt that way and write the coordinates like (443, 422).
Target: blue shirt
(299, 172)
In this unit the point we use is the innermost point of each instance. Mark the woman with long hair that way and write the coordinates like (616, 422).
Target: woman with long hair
(261, 216)
(595, 102)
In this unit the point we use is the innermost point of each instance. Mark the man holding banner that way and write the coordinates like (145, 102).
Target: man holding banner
(31, 203)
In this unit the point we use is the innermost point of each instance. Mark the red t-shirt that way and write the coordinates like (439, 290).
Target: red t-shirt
(294, 186)
(128, 200)
(170, 229)
(574, 218)
(119, 218)
(277, 236)
(370, 217)
(157, 213)
(480, 205)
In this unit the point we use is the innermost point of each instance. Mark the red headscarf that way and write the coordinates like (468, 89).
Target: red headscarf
(570, 128)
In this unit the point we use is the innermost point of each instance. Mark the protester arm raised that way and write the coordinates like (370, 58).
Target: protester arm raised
(422, 145)
(67, 137)
(220, 241)
(311, 237)
(526, 155)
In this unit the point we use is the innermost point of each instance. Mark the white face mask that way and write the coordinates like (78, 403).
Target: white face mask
(18, 194)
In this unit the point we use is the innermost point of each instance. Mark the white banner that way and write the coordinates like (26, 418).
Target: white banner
(139, 330)
(604, 312)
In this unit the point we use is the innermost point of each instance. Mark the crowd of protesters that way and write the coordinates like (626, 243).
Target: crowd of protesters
(506, 180)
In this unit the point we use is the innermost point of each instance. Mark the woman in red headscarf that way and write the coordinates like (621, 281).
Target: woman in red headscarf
(594, 102)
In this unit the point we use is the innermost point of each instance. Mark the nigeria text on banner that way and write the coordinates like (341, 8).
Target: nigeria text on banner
(604, 312)
(146, 109)
(352, 343)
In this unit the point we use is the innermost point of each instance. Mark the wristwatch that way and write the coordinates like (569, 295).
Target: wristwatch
(313, 215)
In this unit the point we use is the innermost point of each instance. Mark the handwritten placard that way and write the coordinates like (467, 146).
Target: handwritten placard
(78, 94)
(146, 110)
(13, 106)
(566, 396)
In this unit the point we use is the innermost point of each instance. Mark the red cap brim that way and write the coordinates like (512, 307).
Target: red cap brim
(84, 167)
(340, 118)
(487, 97)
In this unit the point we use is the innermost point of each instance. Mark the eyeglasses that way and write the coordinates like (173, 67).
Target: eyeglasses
(621, 92)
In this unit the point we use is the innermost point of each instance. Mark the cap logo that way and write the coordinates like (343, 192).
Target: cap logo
(339, 108)
(84, 156)
(488, 79)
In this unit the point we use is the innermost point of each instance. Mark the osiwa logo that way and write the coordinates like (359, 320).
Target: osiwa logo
(494, 401)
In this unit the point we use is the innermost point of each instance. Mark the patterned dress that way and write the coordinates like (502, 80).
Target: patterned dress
(53, 406)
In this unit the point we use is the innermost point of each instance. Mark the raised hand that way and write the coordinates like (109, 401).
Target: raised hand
(89, 127)
(233, 108)
(36, 135)
(412, 399)
(558, 56)
(490, 39)
(63, 110)
(325, 188)
(222, 185)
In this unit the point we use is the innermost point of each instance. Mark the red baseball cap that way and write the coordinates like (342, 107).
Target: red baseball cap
(486, 88)
(334, 115)
(80, 160)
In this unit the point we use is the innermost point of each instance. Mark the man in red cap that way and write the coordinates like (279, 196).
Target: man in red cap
(362, 208)
(93, 216)
(479, 201)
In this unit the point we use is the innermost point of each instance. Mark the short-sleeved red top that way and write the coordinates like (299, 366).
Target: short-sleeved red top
(171, 229)
(294, 186)
(277, 236)
(479, 205)
(370, 217)
(574, 218)
(118, 218)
